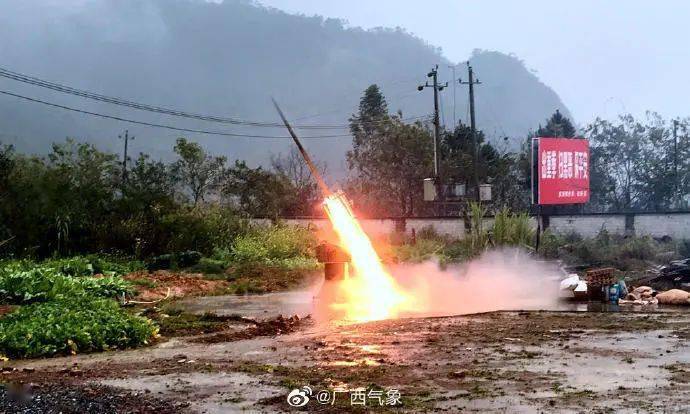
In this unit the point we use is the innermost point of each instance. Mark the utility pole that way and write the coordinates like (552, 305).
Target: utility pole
(124, 159)
(471, 82)
(455, 121)
(437, 127)
(675, 164)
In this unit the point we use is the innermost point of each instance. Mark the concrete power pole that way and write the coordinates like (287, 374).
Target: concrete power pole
(455, 121)
(676, 196)
(124, 159)
(471, 82)
(437, 127)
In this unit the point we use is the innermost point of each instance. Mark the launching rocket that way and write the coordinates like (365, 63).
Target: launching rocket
(319, 180)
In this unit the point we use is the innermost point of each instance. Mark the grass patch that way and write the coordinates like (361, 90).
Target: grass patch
(253, 278)
(175, 322)
(287, 247)
(622, 252)
(71, 326)
(421, 251)
(92, 265)
(209, 266)
(144, 282)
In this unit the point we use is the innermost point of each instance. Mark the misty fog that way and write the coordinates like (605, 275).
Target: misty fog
(228, 59)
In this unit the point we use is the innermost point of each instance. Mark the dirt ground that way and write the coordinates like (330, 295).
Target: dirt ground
(558, 361)
(163, 284)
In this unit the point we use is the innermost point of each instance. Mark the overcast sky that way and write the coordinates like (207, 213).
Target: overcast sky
(601, 57)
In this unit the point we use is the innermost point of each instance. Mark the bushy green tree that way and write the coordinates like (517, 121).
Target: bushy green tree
(500, 170)
(307, 195)
(258, 192)
(637, 165)
(150, 184)
(389, 159)
(52, 204)
(199, 172)
(458, 156)
(73, 201)
(557, 126)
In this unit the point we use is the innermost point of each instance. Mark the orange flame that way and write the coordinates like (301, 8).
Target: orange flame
(371, 293)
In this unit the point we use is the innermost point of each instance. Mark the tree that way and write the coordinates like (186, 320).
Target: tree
(53, 204)
(390, 169)
(389, 159)
(457, 156)
(150, 184)
(6, 166)
(307, 194)
(557, 126)
(372, 109)
(500, 170)
(257, 192)
(637, 165)
(198, 171)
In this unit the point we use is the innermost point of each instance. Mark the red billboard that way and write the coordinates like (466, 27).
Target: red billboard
(563, 170)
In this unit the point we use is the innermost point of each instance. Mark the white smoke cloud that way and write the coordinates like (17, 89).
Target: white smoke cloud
(506, 279)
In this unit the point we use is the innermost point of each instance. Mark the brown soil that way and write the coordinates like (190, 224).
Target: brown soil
(271, 327)
(179, 284)
(493, 362)
(5, 309)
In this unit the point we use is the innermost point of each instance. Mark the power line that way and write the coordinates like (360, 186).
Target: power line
(131, 121)
(161, 110)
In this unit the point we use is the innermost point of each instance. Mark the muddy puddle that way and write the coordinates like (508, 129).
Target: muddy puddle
(307, 302)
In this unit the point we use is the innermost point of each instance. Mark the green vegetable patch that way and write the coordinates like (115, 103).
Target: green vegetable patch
(70, 326)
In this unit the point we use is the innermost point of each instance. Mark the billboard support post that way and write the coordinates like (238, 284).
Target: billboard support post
(533, 193)
(562, 174)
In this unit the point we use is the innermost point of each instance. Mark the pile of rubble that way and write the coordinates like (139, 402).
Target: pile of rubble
(601, 284)
(676, 274)
(641, 295)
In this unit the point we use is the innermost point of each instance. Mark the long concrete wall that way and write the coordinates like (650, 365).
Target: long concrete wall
(674, 225)
(588, 225)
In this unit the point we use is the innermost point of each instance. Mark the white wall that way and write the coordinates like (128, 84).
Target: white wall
(675, 225)
(656, 225)
(587, 226)
(450, 227)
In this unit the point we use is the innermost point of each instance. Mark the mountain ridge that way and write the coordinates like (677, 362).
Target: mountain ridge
(228, 59)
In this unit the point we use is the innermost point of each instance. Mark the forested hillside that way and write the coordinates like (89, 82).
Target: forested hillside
(227, 60)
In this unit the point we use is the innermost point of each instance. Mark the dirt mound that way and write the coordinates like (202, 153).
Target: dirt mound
(271, 327)
(5, 309)
(156, 285)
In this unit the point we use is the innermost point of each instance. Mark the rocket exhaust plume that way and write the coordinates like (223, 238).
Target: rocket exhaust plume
(507, 279)
(370, 293)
